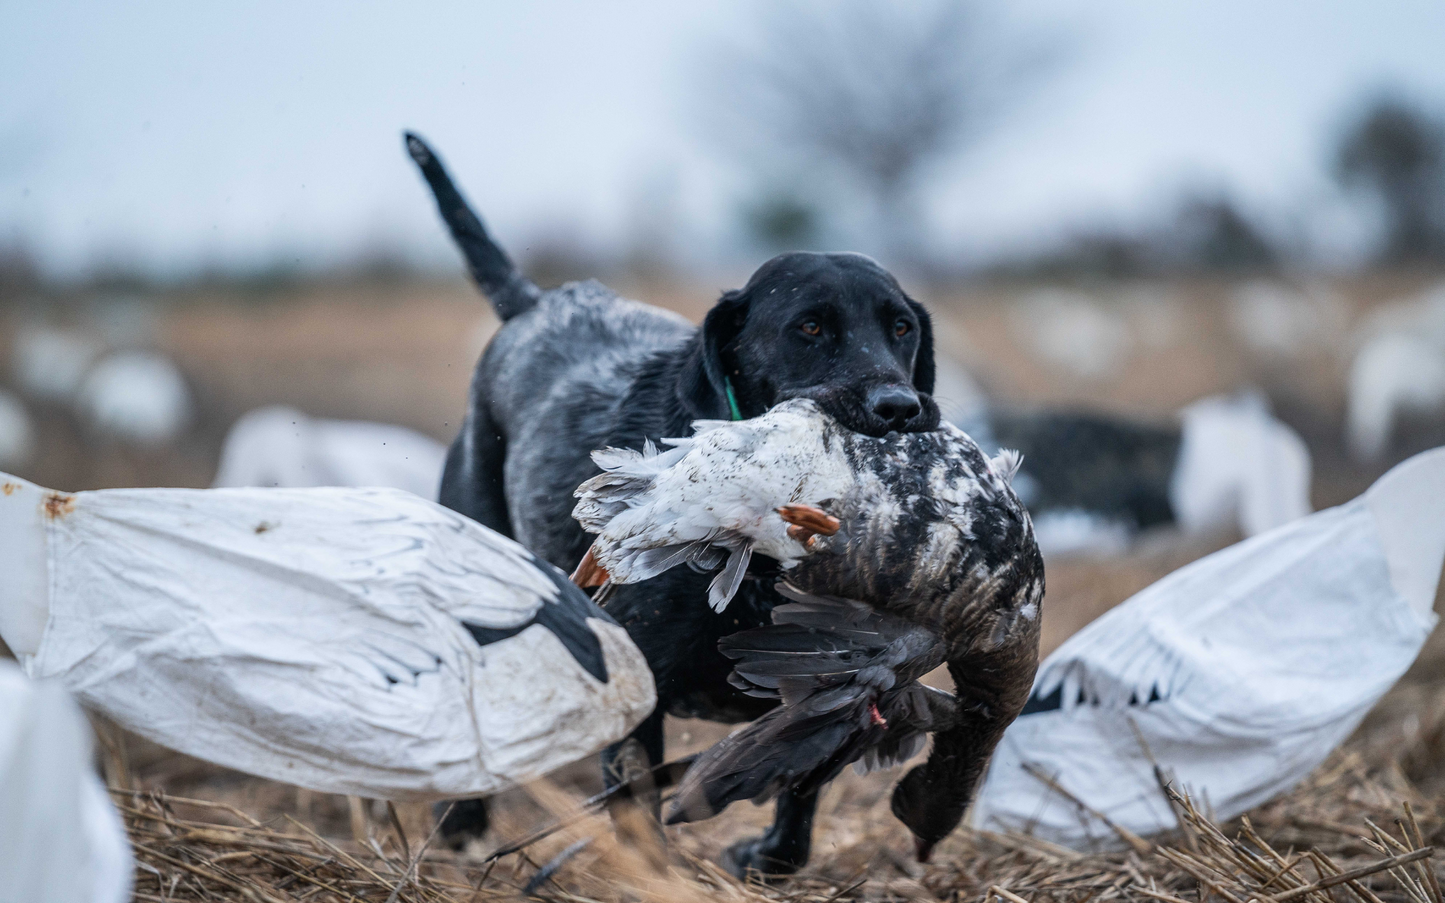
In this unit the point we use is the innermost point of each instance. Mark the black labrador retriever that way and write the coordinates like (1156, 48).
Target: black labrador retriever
(578, 368)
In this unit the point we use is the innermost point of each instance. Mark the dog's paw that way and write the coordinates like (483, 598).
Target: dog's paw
(462, 821)
(756, 859)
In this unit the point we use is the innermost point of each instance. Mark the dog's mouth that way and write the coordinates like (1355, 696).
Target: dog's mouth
(849, 406)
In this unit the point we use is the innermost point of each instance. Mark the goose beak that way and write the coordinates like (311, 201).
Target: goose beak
(922, 849)
(808, 522)
(589, 573)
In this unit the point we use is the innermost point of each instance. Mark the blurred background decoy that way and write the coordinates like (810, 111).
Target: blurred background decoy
(17, 432)
(1093, 481)
(49, 364)
(282, 447)
(1398, 370)
(123, 393)
(136, 397)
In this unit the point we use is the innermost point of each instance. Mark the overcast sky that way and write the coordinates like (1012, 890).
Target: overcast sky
(188, 134)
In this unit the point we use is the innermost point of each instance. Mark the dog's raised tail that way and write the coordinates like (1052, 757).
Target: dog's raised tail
(510, 292)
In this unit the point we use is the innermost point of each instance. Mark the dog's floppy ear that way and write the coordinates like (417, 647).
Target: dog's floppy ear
(704, 388)
(923, 367)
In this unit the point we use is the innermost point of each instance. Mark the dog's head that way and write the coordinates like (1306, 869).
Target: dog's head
(836, 328)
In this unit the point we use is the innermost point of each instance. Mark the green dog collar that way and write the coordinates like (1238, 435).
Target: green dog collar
(732, 399)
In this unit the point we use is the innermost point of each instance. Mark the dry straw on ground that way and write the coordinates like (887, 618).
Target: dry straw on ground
(1351, 834)
(1344, 836)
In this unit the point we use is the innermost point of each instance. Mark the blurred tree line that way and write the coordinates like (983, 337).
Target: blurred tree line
(862, 105)
(1395, 152)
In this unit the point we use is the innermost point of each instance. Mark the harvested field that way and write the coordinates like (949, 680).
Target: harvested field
(1359, 830)
(204, 833)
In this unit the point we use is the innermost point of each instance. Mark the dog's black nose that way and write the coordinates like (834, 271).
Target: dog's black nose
(894, 404)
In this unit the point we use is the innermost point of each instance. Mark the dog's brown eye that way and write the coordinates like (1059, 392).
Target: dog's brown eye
(811, 327)
(901, 328)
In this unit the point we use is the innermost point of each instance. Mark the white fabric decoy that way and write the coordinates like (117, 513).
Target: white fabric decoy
(1280, 320)
(1073, 333)
(360, 641)
(61, 840)
(137, 397)
(282, 447)
(1240, 672)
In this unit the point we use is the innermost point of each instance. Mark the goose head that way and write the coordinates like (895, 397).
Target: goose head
(929, 808)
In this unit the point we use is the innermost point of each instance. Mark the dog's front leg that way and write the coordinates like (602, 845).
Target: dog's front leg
(632, 760)
(785, 847)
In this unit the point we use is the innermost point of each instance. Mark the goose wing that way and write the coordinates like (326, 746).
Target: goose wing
(711, 500)
(347, 640)
(847, 678)
(822, 648)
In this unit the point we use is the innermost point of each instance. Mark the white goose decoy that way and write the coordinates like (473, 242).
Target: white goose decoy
(135, 396)
(1238, 466)
(1093, 481)
(1073, 333)
(61, 840)
(17, 431)
(359, 641)
(1394, 374)
(1239, 673)
(282, 447)
(50, 364)
(1398, 369)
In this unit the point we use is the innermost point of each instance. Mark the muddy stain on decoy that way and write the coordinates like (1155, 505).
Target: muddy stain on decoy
(57, 505)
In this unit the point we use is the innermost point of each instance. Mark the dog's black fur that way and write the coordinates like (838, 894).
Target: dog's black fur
(578, 368)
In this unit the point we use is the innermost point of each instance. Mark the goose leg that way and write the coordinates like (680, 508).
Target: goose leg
(589, 573)
(784, 848)
(809, 522)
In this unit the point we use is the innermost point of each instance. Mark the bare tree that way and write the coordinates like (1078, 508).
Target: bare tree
(878, 94)
(1210, 233)
(1397, 151)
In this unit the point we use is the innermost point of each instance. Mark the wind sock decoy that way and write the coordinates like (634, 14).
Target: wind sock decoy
(360, 641)
(1236, 675)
